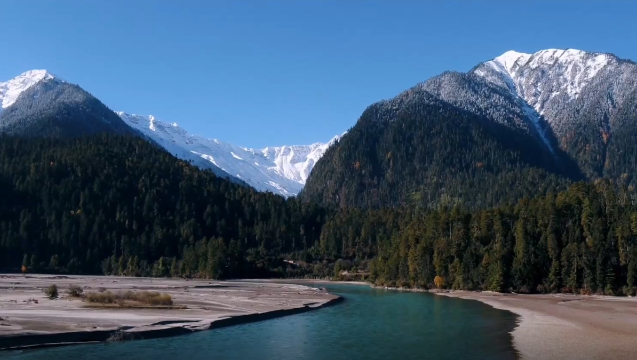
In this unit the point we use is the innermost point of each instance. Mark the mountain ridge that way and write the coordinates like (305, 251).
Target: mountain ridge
(577, 97)
(576, 104)
(576, 109)
(280, 169)
(41, 105)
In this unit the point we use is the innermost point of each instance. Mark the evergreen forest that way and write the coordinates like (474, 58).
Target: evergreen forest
(119, 205)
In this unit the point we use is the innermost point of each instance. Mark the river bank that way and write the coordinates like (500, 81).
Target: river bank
(559, 326)
(29, 319)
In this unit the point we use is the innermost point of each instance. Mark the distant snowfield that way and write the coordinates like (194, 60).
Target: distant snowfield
(282, 170)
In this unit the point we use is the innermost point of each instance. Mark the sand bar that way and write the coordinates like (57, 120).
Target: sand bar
(560, 326)
(198, 305)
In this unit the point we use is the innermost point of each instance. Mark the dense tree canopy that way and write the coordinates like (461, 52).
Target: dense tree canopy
(121, 205)
(581, 240)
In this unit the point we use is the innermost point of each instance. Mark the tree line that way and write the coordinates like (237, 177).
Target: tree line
(118, 205)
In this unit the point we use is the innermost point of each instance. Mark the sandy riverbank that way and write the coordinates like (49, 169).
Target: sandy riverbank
(568, 326)
(199, 305)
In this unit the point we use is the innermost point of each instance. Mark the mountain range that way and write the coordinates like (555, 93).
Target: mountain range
(536, 122)
(560, 115)
(281, 169)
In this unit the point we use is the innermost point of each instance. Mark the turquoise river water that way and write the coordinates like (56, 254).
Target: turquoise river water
(369, 324)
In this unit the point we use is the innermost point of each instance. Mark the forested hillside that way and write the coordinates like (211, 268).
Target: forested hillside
(418, 150)
(55, 108)
(581, 240)
(119, 205)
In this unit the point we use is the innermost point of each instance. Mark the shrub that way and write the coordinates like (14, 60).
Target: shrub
(102, 298)
(586, 291)
(120, 298)
(156, 299)
(51, 292)
(75, 291)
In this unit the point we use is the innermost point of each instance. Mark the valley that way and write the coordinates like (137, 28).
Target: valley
(517, 176)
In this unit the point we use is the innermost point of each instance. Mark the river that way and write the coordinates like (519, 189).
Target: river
(369, 324)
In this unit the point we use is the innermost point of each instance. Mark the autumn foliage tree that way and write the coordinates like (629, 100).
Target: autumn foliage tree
(439, 281)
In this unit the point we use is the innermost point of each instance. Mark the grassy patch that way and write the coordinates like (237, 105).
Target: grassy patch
(130, 298)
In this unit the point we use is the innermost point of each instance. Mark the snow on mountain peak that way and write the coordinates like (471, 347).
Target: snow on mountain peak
(509, 60)
(547, 79)
(297, 161)
(568, 61)
(11, 90)
(549, 72)
(282, 170)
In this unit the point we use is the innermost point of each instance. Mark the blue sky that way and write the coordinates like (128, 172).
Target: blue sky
(259, 73)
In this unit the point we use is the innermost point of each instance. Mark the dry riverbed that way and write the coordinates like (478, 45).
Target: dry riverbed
(29, 319)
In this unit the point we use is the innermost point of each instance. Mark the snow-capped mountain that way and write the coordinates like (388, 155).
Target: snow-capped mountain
(36, 103)
(281, 170)
(10, 90)
(583, 103)
(572, 102)
(542, 76)
(570, 113)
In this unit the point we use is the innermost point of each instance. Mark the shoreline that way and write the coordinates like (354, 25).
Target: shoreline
(209, 305)
(550, 326)
(556, 326)
(560, 326)
(40, 341)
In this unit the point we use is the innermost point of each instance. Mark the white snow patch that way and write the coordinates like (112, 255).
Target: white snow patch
(206, 157)
(280, 188)
(535, 119)
(151, 123)
(510, 59)
(235, 156)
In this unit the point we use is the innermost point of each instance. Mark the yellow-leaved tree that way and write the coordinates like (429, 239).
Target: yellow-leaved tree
(439, 281)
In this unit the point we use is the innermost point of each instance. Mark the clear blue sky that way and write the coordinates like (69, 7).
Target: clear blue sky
(258, 73)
